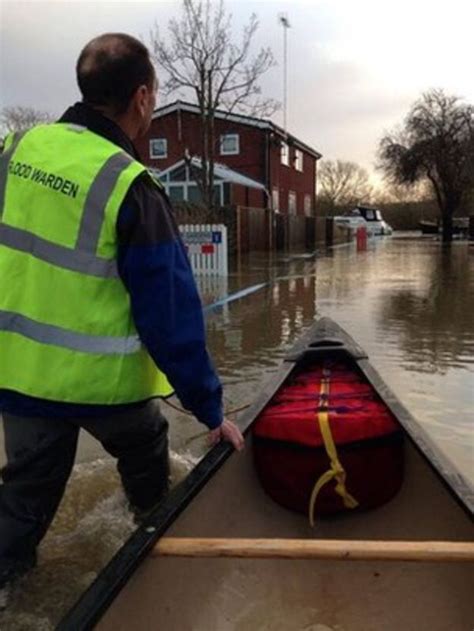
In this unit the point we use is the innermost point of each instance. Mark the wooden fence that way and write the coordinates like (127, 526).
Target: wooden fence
(260, 229)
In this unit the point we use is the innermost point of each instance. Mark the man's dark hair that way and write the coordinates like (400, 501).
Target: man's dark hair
(110, 68)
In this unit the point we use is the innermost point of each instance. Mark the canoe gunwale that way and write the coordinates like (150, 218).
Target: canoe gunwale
(324, 337)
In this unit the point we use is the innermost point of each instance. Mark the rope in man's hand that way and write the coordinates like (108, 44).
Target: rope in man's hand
(226, 431)
(183, 411)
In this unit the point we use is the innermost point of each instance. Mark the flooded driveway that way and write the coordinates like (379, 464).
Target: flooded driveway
(409, 303)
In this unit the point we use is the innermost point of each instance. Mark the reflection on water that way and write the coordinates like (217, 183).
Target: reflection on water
(432, 322)
(410, 304)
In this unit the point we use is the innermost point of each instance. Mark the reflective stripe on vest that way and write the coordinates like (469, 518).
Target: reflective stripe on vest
(50, 334)
(96, 201)
(71, 328)
(75, 260)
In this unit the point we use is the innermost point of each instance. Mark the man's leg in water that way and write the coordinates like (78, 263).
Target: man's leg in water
(40, 456)
(138, 438)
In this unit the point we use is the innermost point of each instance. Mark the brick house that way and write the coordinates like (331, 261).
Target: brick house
(257, 164)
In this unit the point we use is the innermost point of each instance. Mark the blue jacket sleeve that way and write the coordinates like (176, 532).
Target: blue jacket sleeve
(165, 303)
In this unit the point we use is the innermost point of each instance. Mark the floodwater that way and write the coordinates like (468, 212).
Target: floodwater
(408, 302)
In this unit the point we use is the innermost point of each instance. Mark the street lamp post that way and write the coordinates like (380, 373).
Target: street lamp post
(283, 19)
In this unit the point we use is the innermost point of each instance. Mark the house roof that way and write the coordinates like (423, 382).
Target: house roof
(242, 119)
(221, 171)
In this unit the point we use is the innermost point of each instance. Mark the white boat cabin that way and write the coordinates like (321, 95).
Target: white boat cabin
(370, 218)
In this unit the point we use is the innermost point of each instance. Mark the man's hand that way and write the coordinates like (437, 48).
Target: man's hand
(227, 431)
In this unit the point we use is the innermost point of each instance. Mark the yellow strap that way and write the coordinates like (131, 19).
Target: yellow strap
(336, 470)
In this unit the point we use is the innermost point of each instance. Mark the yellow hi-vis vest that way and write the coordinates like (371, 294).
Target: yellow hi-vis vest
(66, 327)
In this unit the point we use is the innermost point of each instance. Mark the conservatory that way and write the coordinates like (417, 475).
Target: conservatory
(230, 186)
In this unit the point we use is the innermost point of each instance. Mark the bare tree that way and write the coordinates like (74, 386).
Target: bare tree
(19, 118)
(202, 60)
(342, 184)
(436, 143)
(400, 193)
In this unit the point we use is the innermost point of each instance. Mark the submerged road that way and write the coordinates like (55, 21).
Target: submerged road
(408, 303)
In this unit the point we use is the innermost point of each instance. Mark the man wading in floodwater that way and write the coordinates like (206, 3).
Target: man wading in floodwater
(99, 312)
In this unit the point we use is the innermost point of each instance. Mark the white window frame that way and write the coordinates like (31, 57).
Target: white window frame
(276, 198)
(162, 156)
(298, 160)
(294, 211)
(187, 184)
(285, 153)
(307, 205)
(232, 152)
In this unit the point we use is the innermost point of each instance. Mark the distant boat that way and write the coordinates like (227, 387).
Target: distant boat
(369, 218)
(428, 227)
(460, 226)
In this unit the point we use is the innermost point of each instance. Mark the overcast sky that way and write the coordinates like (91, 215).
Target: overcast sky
(354, 66)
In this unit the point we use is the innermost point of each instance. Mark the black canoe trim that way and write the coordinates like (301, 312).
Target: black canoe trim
(324, 337)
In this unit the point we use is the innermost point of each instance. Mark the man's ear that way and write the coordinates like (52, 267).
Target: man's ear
(140, 99)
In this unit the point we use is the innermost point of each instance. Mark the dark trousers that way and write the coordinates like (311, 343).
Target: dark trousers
(40, 456)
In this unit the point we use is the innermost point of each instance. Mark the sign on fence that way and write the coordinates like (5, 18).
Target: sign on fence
(206, 245)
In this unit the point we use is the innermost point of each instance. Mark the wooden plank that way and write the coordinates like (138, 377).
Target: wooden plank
(350, 550)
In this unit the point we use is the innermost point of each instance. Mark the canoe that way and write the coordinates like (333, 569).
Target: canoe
(398, 566)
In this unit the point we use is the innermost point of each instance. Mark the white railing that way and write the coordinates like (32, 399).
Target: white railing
(206, 245)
